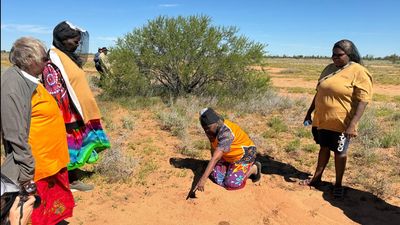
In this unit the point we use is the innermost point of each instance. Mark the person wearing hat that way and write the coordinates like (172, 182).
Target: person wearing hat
(66, 80)
(96, 60)
(104, 63)
(233, 158)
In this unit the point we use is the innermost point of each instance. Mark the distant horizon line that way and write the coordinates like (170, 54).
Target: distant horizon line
(290, 56)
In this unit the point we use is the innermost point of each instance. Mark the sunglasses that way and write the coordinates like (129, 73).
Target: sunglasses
(338, 55)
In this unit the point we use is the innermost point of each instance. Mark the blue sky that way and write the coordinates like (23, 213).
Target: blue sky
(296, 27)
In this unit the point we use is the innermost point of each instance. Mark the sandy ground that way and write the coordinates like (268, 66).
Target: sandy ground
(390, 90)
(276, 199)
(279, 81)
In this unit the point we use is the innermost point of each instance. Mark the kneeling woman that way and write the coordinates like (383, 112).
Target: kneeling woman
(233, 153)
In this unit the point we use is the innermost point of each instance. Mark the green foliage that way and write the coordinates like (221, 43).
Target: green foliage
(293, 145)
(369, 131)
(173, 121)
(277, 125)
(391, 138)
(303, 132)
(310, 148)
(393, 58)
(124, 78)
(176, 56)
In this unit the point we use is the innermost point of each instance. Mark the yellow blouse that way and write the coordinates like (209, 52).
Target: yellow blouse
(337, 96)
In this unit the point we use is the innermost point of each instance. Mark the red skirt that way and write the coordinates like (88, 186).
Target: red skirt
(57, 201)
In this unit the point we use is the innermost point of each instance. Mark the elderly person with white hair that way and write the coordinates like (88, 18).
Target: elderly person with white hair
(34, 134)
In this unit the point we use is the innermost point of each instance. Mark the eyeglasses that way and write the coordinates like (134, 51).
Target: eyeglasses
(338, 55)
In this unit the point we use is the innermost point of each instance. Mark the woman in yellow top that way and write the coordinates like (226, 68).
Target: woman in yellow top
(233, 153)
(65, 79)
(33, 128)
(343, 92)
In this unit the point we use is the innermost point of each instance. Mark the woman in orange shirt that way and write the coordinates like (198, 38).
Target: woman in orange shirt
(33, 128)
(233, 153)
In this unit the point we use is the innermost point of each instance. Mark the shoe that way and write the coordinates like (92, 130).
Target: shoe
(256, 177)
(80, 186)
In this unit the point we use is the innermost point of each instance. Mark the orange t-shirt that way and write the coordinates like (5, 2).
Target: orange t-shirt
(47, 135)
(240, 141)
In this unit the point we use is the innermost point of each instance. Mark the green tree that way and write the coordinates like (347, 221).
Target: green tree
(393, 58)
(187, 55)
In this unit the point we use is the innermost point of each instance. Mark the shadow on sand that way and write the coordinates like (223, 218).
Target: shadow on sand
(271, 166)
(78, 174)
(360, 206)
(196, 165)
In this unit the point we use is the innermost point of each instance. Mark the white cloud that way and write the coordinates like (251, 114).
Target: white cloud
(168, 5)
(26, 28)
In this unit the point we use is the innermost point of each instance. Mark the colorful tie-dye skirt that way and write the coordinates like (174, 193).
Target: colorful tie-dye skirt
(85, 142)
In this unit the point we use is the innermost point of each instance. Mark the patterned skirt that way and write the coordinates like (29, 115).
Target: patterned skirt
(84, 142)
(231, 176)
(57, 202)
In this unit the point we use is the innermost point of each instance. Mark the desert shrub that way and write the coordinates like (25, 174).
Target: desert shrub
(396, 99)
(127, 123)
(269, 134)
(187, 148)
(146, 168)
(293, 145)
(380, 98)
(176, 56)
(263, 103)
(384, 111)
(115, 166)
(365, 156)
(310, 148)
(277, 124)
(369, 130)
(391, 138)
(172, 121)
(289, 71)
(177, 117)
(201, 144)
(124, 78)
(395, 117)
(379, 185)
(303, 132)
